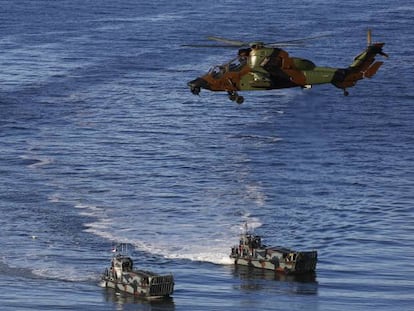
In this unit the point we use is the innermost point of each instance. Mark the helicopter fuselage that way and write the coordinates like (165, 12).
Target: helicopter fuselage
(265, 68)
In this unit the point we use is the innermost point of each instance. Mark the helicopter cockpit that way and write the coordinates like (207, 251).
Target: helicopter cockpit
(234, 65)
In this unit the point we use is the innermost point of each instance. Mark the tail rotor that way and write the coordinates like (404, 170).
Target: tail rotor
(369, 37)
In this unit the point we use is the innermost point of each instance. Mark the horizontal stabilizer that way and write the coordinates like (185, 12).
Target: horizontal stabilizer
(372, 70)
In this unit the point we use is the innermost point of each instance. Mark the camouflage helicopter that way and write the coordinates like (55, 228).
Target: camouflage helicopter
(260, 66)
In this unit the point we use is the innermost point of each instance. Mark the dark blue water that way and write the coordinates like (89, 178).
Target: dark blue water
(101, 142)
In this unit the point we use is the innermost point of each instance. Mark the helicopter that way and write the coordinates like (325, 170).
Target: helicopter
(260, 66)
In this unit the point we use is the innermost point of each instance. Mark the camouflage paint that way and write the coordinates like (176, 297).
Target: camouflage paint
(250, 252)
(121, 277)
(264, 68)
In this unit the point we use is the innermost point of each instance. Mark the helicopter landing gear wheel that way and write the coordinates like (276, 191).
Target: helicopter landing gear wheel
(240, 100)
(233, 96)
(195, 90)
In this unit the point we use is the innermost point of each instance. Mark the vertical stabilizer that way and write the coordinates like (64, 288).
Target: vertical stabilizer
(363, 66)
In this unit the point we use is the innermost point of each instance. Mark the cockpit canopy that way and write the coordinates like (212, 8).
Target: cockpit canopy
(234, 65)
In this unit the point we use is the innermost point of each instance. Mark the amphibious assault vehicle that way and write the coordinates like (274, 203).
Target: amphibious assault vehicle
(122, 277)
(251, 252)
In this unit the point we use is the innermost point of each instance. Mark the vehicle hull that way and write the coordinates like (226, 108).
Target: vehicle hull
(276, 263)
(121, 277)
(252, 253)
(150, 292)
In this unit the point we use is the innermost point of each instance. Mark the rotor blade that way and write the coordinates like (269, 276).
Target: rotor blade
(283, 45)
(208, 46)
(228, 41)
(297, 41)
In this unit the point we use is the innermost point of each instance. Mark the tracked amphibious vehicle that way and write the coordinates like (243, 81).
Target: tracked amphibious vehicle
(251, 252)
(122, 277)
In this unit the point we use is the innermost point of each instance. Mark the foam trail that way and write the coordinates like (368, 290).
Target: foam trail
(181, 241)
(252, 223)
(36, 162)
(219, 257)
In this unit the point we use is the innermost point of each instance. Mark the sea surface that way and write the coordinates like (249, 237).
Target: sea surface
(101, 143)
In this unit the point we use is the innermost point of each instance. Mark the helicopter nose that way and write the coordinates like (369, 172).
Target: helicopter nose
(197, 84)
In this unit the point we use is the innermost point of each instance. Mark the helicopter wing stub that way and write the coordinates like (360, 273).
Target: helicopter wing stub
(296, 76)
(288, 66)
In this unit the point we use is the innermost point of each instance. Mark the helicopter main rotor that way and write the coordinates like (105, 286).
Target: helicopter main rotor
(230, 43)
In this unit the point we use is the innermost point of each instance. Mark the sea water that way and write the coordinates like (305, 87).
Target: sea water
(102, 143)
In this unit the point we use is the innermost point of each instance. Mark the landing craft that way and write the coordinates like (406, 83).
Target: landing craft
(259, 66)
(252, 253)
(122, 277)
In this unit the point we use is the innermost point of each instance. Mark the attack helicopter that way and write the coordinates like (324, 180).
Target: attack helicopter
(260, 66)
